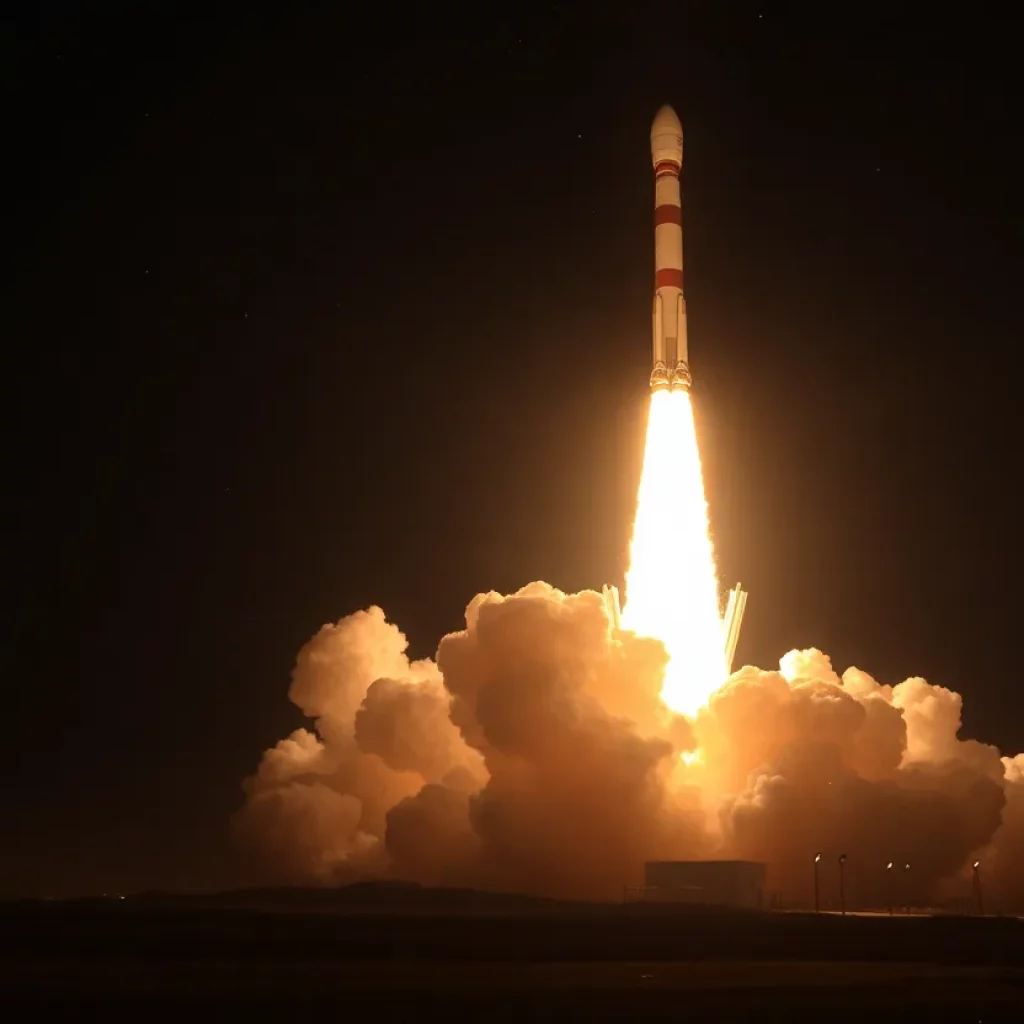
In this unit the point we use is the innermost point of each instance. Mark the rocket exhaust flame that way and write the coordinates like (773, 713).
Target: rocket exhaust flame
(671, 585)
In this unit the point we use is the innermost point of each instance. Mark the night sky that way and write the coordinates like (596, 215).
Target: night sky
(318, 311)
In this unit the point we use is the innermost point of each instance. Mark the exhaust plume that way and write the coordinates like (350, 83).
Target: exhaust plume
(537, 755)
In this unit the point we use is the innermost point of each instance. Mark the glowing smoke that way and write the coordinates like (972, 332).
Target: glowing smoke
(671, 586)
(536, 755)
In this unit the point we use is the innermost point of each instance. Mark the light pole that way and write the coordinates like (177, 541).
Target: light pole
(817, 859)
(906, 885)
(976, 867)
(888, 885)
(842, 884)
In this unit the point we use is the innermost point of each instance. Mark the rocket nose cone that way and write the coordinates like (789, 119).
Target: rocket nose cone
(666, 118)
(666, 138)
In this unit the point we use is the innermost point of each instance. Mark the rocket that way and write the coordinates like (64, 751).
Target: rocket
(670, 371)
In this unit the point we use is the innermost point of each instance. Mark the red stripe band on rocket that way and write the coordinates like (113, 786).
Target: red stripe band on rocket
(670, 370)
(668, 215)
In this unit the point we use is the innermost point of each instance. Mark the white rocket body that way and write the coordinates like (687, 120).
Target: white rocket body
(671, 369)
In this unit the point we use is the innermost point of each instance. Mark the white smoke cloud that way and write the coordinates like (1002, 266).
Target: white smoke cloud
(536, 755)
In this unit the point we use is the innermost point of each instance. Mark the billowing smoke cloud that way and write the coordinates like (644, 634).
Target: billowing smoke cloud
(536, 755)
(847, 766)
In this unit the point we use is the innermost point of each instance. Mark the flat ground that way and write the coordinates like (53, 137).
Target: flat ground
(412, 957)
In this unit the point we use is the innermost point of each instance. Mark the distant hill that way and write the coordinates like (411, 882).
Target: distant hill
(397, 897)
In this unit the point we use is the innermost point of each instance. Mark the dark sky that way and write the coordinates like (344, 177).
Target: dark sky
(318, 310)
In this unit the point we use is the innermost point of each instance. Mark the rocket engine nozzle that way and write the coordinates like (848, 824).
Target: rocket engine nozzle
(682, 379)
(660, 379)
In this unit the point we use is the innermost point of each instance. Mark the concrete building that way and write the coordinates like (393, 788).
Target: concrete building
(729, 883)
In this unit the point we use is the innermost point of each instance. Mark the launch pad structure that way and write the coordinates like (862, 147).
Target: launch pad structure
(732, 619)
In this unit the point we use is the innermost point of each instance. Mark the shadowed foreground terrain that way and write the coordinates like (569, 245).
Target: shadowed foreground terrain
(399, 951)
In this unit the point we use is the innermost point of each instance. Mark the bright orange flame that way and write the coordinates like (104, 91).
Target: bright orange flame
(672, 585)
